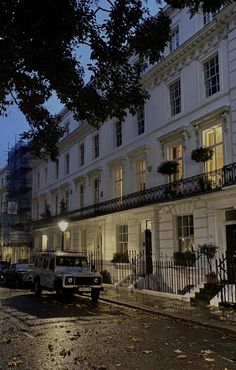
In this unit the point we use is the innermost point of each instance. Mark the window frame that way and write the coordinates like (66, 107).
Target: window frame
(141, 120)
(118, 182)
(96, 146)
(174, 39)
(211, 82)
(67, 163)
(122, 238)
(118, 133)
(175, 100)
(141, 175)
(189, 237)
(81, 154)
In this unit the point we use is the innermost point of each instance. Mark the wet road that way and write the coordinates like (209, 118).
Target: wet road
(43, 334)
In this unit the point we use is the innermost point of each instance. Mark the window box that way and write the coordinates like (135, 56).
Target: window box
(120, 258)
(184, 258)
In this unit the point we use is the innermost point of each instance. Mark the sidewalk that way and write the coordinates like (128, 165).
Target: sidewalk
(216, 318)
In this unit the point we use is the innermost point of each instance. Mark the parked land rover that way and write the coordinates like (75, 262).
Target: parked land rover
(65, 273)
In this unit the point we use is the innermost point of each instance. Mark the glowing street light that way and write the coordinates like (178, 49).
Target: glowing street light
(63, 226)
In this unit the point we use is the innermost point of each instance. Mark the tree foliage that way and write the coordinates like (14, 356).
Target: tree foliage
(40, 43)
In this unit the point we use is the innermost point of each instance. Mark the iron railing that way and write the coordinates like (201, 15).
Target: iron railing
(170, 275)
(226, 275)
(199, 184)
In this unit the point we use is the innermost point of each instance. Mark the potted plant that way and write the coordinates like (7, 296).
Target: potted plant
(209, 251)
(168, 167)
(120, 257)
(202, 154)
(184, 258)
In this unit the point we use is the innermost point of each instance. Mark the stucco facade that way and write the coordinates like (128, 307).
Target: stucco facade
(192, 103)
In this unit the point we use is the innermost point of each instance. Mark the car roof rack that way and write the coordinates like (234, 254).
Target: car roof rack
(49, 252)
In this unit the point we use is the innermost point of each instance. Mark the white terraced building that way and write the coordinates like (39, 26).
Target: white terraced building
(108, 179)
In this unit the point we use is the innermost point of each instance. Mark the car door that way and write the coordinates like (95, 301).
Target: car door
(10, 274)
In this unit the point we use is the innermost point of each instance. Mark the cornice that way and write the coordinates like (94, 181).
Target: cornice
(192, 49)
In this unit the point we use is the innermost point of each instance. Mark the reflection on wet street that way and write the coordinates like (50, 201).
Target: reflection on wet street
(38, 334)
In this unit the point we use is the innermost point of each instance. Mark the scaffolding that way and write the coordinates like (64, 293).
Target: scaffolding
(16, 219)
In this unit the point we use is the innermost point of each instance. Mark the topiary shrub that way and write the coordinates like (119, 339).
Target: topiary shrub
(202, 154)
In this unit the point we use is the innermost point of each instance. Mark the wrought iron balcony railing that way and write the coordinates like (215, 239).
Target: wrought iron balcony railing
(200, 184)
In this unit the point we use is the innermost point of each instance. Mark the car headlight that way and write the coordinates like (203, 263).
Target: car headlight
(96, 280)
(69, 280)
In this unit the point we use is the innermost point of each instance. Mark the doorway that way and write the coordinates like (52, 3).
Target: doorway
(231, 252)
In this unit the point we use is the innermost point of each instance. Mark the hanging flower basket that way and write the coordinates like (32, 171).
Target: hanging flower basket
(202, 154)
(168, 167)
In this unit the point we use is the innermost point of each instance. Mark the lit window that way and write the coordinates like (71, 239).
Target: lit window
(175, 98)
(118, 172)
(174, 39)
(122, 239)
(213, 137)
(96, 146)
(175, 153)
(118, 133)
(185, 233)
(211, 76)
(141, 175)
(141, 120)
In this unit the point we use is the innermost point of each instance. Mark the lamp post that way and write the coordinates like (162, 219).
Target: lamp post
(63, 226)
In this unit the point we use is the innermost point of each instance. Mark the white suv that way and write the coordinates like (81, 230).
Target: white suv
(65, 273)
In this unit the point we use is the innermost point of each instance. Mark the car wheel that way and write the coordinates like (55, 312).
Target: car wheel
(59, 293)
(37, 288)
(17, 284)
(95, 295)
(5, 281)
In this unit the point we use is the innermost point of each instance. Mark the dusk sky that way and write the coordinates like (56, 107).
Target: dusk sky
(14, 124)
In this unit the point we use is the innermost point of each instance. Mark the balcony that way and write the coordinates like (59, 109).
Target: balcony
(196, 185)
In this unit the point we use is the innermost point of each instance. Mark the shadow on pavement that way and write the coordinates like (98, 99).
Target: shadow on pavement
(48, 307)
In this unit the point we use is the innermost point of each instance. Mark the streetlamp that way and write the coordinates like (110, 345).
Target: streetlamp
(63, 226)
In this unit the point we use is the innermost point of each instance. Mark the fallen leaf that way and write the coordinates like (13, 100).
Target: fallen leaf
(178, 351)
(181, 356)
(130, 347)
(118, 365)
(147, 351)
(209, 359)
(50, 347)
(134, 339)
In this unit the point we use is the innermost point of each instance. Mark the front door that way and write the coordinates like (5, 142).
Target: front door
(231, 252)
(98, 251)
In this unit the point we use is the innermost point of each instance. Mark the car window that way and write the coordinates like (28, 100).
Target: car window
(39, 261)
(71, 261)
(21, 267)
(51, 264)
(45, 263)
